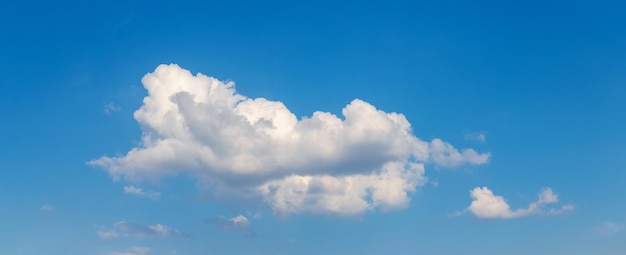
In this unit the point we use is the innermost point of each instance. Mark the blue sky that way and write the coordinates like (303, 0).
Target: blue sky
(516, 142)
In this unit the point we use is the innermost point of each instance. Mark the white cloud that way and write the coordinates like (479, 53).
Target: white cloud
(444, 154)
(560, 210)
(138, 192)
(200, 126)
(239, 224)
(46, 207)
(131, 229)
(487, 205)
(107, 234)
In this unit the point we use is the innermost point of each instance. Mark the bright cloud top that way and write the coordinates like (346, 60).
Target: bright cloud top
(198, 125)
(487, 205)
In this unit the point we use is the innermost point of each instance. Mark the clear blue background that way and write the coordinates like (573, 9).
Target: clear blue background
(544, 80)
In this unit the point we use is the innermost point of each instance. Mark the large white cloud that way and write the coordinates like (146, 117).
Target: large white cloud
(487, 205)
(198, 125)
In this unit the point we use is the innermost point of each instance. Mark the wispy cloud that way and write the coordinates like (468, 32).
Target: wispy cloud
(481, 137)
(608, 228)
(46, 207)
(238, 224)
(445, 155)
(107, 234)
(139, 192)
(486, 205)
(111, 107)
(131, 229)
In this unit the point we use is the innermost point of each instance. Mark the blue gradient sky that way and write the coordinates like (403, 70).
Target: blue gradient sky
(543, 81)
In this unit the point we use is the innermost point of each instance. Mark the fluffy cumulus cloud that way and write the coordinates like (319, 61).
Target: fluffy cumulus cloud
(238, 224)
(196, 125)
(139, 192)
(131, 229)
(487, 205)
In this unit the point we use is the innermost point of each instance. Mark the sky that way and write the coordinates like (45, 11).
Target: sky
(292, 127)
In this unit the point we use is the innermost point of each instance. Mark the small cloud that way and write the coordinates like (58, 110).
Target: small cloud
(138, 192)
(46, 207)
(557, 211)
(481, 137)
(111, 107)
(547, 196)
(130, 229)
(487, 205)
(158, 230)
(608, 228)
(444, 154)
(107, 234)
(239, 224)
